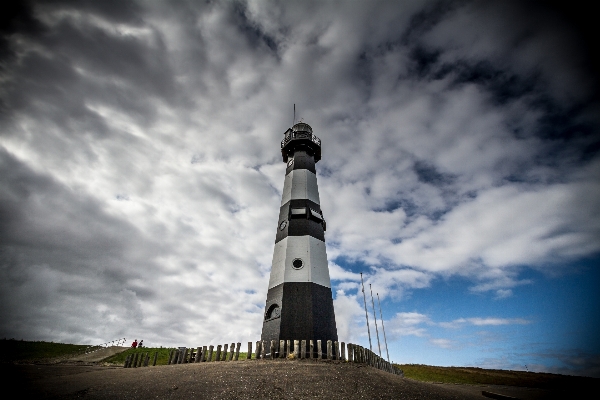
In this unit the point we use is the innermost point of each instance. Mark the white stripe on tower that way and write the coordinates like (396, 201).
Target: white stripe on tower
(300, 184)
(308, 249)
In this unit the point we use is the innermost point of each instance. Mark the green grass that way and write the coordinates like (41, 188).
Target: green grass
(24, 351)
(163, 355)
(471, 375)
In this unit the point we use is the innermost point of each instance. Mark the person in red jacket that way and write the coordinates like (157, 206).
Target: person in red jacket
(134, 344)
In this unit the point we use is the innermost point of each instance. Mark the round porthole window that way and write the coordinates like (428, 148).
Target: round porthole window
(297, 263)
(282, 225)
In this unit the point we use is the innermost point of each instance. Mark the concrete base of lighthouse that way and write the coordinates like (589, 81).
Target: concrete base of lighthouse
(306, 313)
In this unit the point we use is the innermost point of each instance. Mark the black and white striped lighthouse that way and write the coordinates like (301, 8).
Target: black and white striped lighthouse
(299, 301)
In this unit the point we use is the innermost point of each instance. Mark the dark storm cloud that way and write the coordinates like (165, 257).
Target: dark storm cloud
(54, 63)
(256, 37)
(54, 236)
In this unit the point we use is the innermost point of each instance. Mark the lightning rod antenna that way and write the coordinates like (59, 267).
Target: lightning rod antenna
(383, 327)
(366, 313)
(375, 316)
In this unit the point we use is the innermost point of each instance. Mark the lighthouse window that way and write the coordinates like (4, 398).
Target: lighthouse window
(273, 312)
(315, 214)
(299, 211)
(297, 263)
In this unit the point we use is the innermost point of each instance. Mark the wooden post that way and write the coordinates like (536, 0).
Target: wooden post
(155, 358)
(272, 349)
(329, 352)
(336, 350)
(237, 351)
(210, 352)
(303, 349)
(343, 353)
(225, 348)
(263, 353)
(258, 348)
(249, 354)
(183, 356)
(312, 349)
(218, 356)
(363, 355)
(231, 352)
(282, 349)
(319, 352)
(297, 348)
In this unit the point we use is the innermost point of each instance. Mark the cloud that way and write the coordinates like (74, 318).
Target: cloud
(443, 343)
(408, 323)
(489, 321)
(141, 180)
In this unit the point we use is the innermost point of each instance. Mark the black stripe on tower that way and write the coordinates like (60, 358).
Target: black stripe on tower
(301, 160)
(304, 312)
(300, 217)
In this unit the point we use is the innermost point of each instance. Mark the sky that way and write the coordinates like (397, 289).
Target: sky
(141, 173)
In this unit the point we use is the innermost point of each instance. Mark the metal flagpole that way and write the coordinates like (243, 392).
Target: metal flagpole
(375, 316)
(383, 327)
(366, 313)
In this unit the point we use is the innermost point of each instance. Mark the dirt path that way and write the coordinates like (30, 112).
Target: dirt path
(279, 379)
(99, 355)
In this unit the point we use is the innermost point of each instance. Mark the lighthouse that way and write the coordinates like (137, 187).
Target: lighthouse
(299, 300)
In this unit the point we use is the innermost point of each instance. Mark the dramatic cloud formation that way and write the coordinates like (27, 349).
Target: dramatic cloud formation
(140, 176)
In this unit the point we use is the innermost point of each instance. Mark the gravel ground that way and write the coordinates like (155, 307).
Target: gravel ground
(279, 379)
